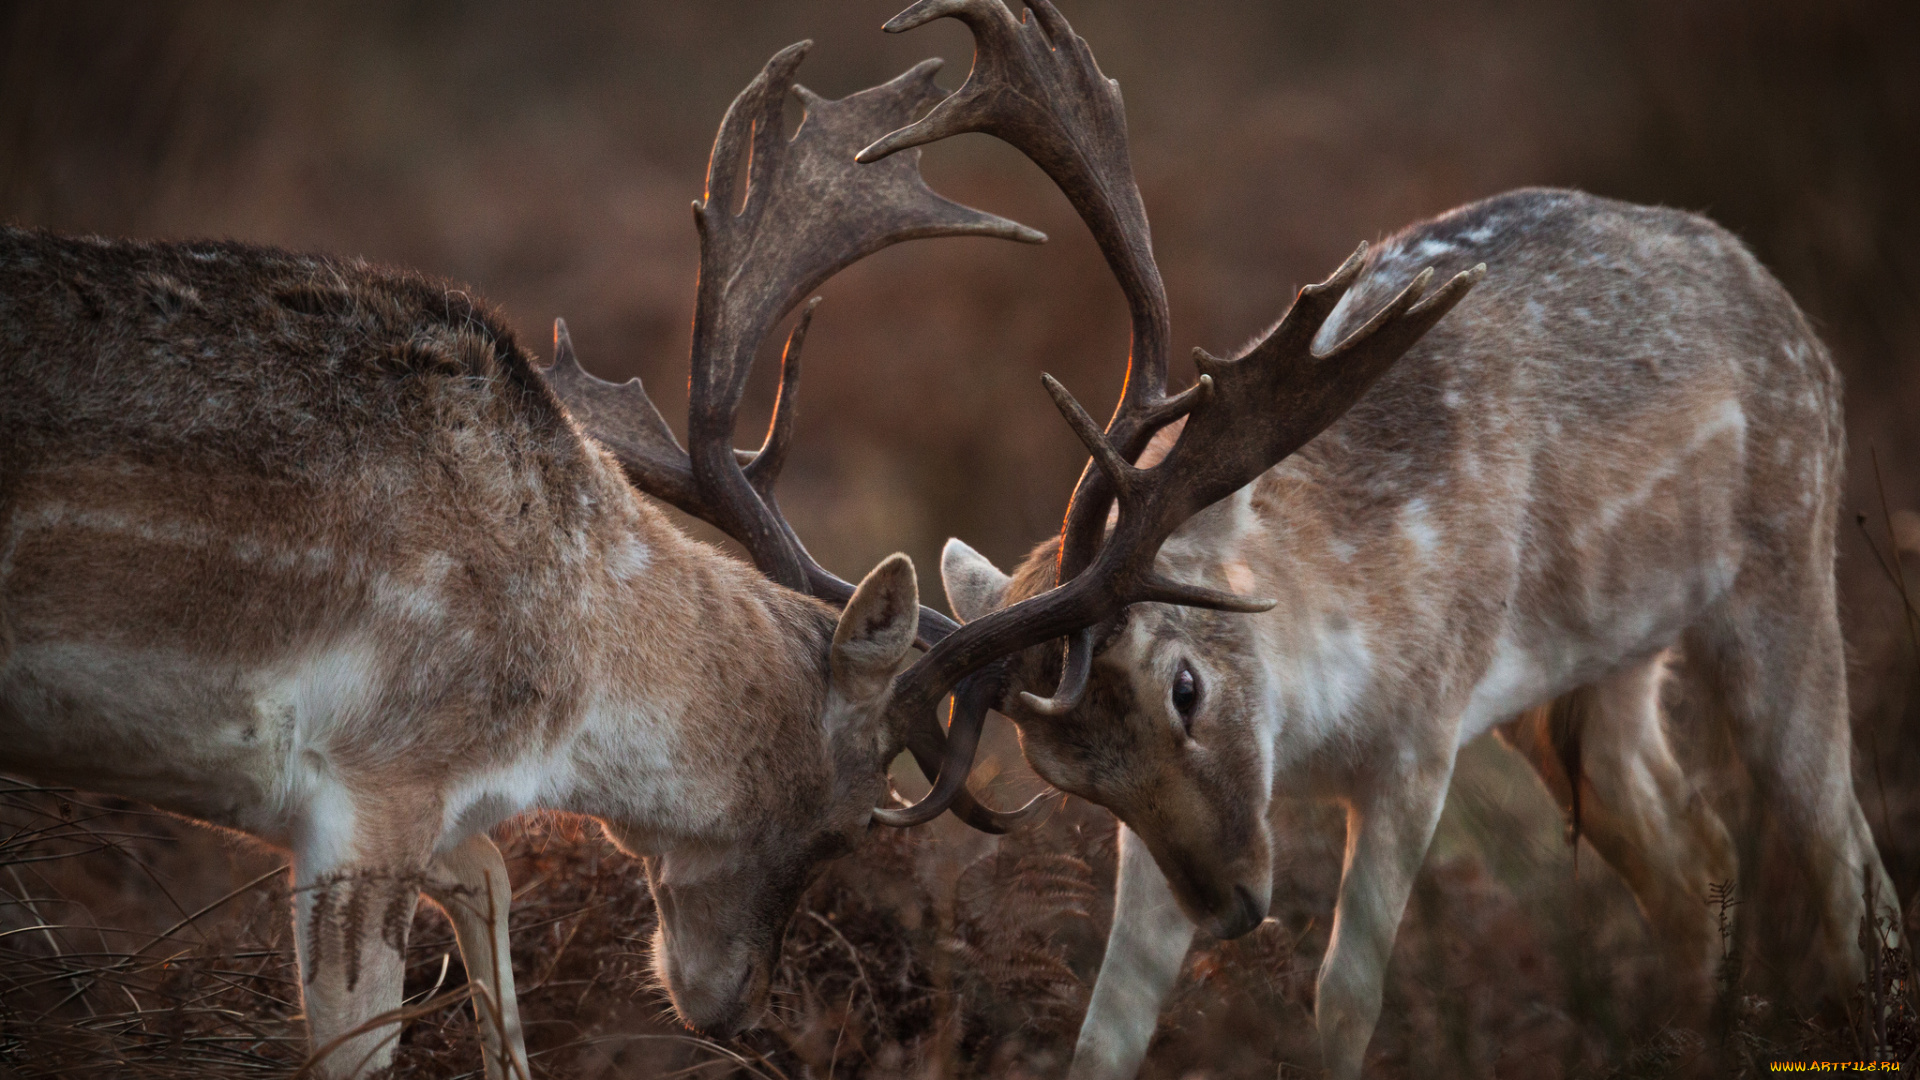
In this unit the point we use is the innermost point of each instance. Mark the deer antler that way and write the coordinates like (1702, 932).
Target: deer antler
(807, 212)
(1036, 85)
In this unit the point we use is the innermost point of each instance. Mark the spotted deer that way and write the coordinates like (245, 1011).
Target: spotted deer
(1318, 573)
(310, 550)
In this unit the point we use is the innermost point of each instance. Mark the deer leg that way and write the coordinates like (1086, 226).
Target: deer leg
(350, 922)
(1637, 807)
(1148, 941)
(470, 884)
(1773, 656)
(1389, 827)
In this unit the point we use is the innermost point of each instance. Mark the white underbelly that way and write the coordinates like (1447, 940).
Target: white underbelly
(1531, 669)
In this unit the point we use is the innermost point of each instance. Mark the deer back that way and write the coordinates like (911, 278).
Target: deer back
(229, 475)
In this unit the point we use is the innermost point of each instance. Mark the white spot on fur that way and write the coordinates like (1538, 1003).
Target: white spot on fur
(1416, 523)
(1727, 420)
(638, 741)
(1514, 680)
(480, 801)
(1316, 682)
(313, 699)
(417, 594)
(243, 547)
(630, 559)
(1240, 577)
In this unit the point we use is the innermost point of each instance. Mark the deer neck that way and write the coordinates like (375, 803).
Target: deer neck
(703, 691)
(1316, 654)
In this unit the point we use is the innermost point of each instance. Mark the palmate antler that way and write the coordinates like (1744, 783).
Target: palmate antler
(809, 211)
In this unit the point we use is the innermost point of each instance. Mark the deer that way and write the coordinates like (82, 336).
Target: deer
(313, 551)
(1373, 535)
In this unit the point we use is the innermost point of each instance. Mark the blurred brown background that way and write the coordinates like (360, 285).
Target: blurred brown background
(545, 155)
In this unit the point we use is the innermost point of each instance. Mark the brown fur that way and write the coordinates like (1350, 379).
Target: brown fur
(306, 548)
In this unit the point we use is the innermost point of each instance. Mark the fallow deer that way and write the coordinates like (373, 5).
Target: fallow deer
(1628, 438)
(309, 550)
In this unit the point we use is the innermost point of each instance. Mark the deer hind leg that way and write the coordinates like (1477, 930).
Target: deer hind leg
(351, 915)
(1636, 807)
(1389, 828)
(1773, 658)
(470, 884)
(1148, 941)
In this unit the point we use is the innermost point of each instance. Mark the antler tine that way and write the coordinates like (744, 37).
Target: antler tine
(624, 419)
(763, 469)
(1075, 670)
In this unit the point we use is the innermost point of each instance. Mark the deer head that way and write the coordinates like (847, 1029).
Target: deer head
(724, 907)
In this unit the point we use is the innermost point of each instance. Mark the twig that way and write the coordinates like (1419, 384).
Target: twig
(183, 923)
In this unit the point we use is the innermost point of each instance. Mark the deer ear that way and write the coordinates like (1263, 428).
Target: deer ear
(876, 630)
(975, 587)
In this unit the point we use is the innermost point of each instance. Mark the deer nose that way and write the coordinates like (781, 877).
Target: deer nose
(716, 1015)
(1243, 915)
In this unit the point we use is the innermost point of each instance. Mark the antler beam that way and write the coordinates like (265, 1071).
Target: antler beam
(1036, 86)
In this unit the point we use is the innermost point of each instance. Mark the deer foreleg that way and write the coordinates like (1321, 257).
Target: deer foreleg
(1148, 941)
(1388, 831)
(350, 924)
(470, 884)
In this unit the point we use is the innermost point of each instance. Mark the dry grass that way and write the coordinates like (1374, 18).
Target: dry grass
(915, 958)
(546, 154)
(211, 994)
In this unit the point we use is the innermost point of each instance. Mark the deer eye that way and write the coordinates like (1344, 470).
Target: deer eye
(1186, 694)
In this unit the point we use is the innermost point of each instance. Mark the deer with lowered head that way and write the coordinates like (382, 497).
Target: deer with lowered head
(1318, 573)
(308, 549)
